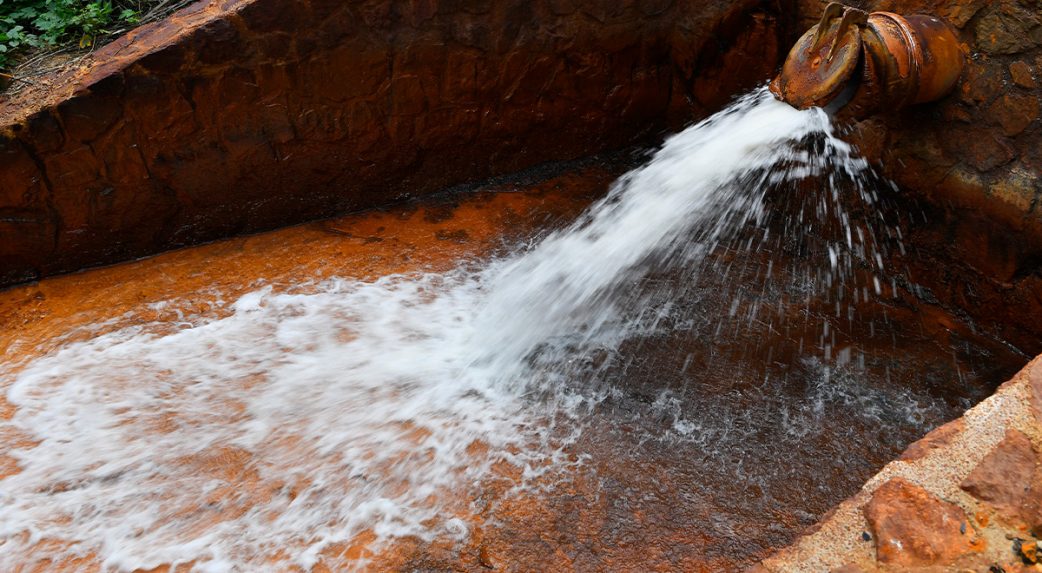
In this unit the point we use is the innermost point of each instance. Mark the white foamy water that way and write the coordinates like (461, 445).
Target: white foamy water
(304, 419)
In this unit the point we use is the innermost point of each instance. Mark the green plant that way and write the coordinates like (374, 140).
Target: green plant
(49, 24)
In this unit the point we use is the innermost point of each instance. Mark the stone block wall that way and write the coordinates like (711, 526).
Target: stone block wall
(971, 165)
(236, 116)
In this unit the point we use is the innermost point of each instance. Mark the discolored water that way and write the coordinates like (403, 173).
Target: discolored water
(681, 379)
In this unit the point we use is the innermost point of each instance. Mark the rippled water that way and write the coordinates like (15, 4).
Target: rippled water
(352, 410)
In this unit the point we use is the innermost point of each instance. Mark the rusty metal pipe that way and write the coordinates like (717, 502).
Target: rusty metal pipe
(857, 64)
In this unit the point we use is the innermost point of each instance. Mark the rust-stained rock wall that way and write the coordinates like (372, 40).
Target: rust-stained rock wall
(976, 159)
(968, 497)
(242, 115)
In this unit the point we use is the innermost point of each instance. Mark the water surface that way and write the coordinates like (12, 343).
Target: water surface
(681, 377)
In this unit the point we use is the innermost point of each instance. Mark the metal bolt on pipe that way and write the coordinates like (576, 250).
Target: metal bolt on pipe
(857, 64)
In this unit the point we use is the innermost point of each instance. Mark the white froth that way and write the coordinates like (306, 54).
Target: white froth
(358, 406)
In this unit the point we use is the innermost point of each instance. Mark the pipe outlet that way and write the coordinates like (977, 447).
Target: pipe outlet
(857, 64)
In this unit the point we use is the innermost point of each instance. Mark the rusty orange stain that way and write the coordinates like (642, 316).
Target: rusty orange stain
(38, 318)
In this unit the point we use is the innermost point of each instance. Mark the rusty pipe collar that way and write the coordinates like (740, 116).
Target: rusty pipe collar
(855, 64)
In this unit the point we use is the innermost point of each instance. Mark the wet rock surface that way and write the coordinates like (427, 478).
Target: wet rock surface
(237, 116)
(911, 527)
(707, 456)
(1009, 479)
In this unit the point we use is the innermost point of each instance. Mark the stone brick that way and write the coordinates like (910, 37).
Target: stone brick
(986, 151)
(1017, 188)
(936, 439)
(275, 15)
(911, 527)
(959, 13)
(1022, 74)
(217, 42)
(1034, 372)
(981, 83)
(1009, 27)
(84, 118)
(1015, 111)
(1009, 479)
(42, 132)
(17, 167)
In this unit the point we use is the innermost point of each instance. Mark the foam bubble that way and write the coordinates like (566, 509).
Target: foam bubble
(303, 419)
